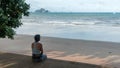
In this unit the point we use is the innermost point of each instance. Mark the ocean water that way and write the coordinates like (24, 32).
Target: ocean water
(87, 26)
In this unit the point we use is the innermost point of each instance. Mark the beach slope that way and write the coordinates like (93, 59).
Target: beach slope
(67, 52)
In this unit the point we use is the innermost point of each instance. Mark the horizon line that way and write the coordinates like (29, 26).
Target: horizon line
(79, 12)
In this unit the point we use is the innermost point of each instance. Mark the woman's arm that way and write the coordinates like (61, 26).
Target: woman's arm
(40, 48)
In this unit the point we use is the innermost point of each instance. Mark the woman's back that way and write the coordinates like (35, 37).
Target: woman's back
(35, 49)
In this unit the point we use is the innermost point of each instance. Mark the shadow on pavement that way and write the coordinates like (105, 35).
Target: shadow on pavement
(10, 60)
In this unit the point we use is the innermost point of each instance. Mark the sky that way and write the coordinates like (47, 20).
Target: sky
(76, 5)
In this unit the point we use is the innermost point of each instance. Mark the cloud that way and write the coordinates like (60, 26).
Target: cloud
(75, 5)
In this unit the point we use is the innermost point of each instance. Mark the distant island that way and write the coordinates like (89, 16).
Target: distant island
(42, 10)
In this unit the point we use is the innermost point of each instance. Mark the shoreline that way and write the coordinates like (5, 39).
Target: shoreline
(82, 51)
(87, 32)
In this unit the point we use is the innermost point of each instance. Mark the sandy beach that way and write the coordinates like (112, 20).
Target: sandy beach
(62, 53)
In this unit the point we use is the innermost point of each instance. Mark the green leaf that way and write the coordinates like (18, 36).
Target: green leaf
(11, 12)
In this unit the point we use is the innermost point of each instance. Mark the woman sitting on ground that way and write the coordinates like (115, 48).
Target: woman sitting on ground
(37, 50)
